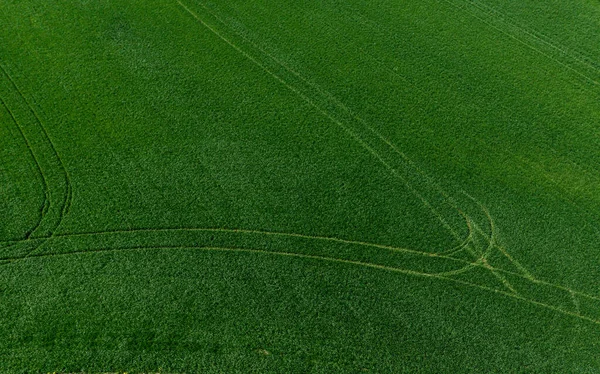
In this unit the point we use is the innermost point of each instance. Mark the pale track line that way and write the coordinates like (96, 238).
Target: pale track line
(492, 243)
(502, 250)
(468, 240)
(464, 244)
(404, 157)
(525, 274)
(316, 106)
(427, 254)
(478, 259)
(575, 302)
(257, 232)
(482, 256)
(544, 39)
(14, 260)
(68, 192)
(38, 168)
(348, 262)
(485, 254)
(522, 268)
(528, 45)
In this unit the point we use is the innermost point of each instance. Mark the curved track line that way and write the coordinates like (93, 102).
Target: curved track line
(485, 255)
(468, 240)
(257, 232)
(481, 257)
(67, 194)
(46, 200)
(427, 254)
(14, 260)
(349, 262)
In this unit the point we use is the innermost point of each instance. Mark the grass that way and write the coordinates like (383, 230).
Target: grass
(289, 186)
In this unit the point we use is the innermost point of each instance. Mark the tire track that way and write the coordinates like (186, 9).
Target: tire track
(331, 102)
(38, 169)
(284, 234)
(594, 82)
(536, 35)
(477, 264)
(67, 194)
(344, 262)
(244, 231)
(485, 254)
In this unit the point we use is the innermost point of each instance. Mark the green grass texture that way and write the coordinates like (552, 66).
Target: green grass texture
(295, 186)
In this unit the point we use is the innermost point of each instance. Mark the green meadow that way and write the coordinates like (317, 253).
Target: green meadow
(386, 186)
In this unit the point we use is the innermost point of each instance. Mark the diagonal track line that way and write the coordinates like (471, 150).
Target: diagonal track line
(326, 113)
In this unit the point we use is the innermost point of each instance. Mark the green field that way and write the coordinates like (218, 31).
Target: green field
(288, 186)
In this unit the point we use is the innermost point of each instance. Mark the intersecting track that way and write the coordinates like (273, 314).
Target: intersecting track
(472, 256)
(56, 184)
(398, 164)
(595, 225)
(308, 252)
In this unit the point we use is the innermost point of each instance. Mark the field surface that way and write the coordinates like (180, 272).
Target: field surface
(303, 186)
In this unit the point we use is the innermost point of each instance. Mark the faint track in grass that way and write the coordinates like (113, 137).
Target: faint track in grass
(38, 168)
(480, 257)
(245, 231)
(485, 253)
(536, 35)
(476, 264)
(529, 45)
(338, 261)
(343, 241)
(67, 194)
(468, 240)
(330, 101)
(466, 263)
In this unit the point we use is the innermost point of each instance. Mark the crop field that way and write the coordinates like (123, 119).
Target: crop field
(284, 186)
